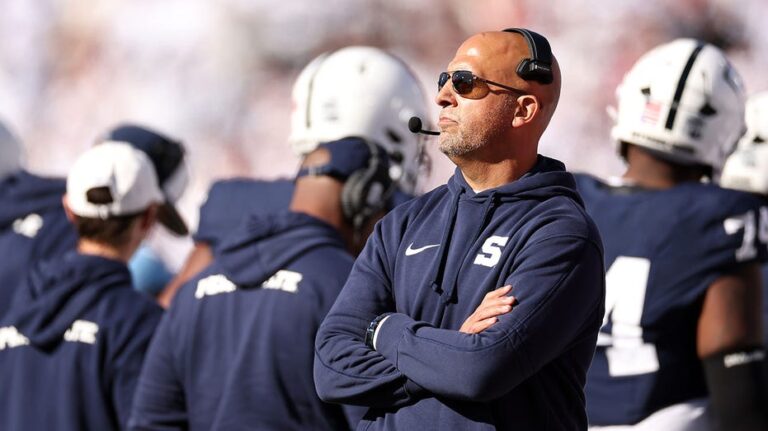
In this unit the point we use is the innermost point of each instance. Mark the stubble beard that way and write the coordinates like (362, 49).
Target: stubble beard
(456, 143)
(467, 137)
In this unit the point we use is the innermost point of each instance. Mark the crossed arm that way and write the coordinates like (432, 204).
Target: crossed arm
(413, 357)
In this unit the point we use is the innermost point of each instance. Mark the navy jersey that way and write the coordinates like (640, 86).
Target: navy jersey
(72, 346)
(430, 262)
(663, 249)
(235, 349)
(33, 226)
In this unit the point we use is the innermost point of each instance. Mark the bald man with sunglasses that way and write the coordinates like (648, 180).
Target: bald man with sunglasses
(427, 332)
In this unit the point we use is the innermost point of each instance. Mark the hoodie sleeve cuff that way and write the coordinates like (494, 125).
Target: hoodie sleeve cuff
(389, 333)
(388, 336)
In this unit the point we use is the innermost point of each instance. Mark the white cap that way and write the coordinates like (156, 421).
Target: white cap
(125, 172)
(168, 158)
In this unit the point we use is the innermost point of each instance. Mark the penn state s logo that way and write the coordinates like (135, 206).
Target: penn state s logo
(490, 252)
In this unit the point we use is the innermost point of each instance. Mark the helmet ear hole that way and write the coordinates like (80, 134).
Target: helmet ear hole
(707, 110)
(756, 120)
(394, 136)
(396, 157)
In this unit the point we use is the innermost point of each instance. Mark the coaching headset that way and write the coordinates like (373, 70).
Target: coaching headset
(366, 189)
(538, 68)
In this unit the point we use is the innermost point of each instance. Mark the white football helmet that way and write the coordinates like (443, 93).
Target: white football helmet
(747, 168)
(366, 92)
(756, 117)
(11, 152)
(684, 101)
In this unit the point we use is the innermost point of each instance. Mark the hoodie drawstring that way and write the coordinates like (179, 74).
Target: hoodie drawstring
(490, 203)
(446, 295)
(443, 252)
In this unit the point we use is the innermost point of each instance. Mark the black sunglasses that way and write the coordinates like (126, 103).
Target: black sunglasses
(465, 84)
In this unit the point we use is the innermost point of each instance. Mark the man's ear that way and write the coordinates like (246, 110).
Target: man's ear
(526, 110)
(65, 203)
(149, 217)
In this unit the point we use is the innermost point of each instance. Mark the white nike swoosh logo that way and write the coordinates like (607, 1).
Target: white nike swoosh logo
(411, 251)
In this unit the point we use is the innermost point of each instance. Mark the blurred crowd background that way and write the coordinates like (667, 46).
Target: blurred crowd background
(218, 74)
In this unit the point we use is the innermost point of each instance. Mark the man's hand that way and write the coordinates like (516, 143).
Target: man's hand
(494, 305)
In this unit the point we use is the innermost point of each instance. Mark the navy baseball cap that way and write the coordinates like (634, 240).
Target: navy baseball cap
(348, 155)
(167, 156)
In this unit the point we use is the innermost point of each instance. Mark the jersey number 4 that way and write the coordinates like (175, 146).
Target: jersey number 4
(626, 282)
(626, 352)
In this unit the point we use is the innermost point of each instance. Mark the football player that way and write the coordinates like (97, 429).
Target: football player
(747, 169)
(235, 349)
(355, 91)
(682, 316)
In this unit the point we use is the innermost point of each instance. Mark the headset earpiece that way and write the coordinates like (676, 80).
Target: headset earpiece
(538, 68)
(366, 191)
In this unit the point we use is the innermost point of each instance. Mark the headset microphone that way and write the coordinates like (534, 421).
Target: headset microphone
(414, 125)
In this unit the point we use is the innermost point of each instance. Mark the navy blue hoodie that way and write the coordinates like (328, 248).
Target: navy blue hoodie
(229, 202)
(32, 227)
(72, 346)
(235, 349)
(430, 262)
